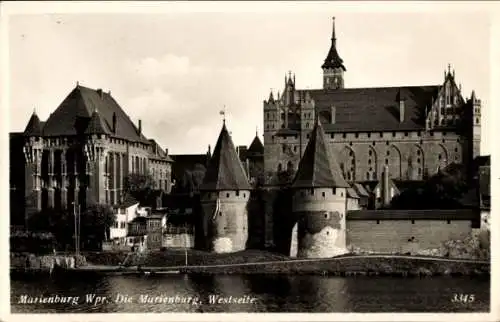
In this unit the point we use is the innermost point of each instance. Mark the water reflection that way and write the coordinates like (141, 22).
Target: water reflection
(273, 293)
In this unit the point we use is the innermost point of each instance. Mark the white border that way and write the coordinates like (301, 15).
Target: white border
(11, 8)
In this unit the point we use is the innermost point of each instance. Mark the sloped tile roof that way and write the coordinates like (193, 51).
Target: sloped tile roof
(96, 125)
(74, 113)
(225, 171)
(158, 152)
(361, 190)
(318, 168)
(351, 193)
(374, 109)
(256, 146)
(34, 127)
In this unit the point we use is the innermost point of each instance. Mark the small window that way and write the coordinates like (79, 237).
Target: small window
(448, 222)
(370, 152)
(456, 150)
(312, 192)
(323, 194)
(350, 143)
(332, 135)
(327, 215)
(220, 214)
(344, 135)
(369, 134)
(334, 190)
(386, 161)
(381, 134)
(378, 222)
(386, 142)
(413, 222)
(393, 134)
(373, 143)
(237, 192)
(356, 135)
(244, 195)
(227, 195)
(406, 133)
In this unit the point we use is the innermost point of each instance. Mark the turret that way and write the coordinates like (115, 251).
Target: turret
(33, 150)
(319, 200)
(225, 193)
(333, 67)
(95, 149)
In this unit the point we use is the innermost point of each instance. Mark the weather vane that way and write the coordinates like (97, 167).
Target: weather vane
(223, 113)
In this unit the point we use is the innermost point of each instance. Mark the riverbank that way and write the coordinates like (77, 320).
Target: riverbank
(348, 265)
(261, 262)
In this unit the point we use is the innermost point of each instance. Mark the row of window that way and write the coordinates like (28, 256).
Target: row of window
(323, 193)
(368, 135)
(228, 195)
(121, 224)
(413, 223)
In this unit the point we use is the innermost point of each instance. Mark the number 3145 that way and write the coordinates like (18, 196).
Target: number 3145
(463, 298)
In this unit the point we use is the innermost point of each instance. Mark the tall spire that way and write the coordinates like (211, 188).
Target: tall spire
(333, 59)
(334, 39)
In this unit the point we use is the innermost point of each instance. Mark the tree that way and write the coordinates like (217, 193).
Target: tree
(95, 224)
(139, 186)
(192, 179)
(441, 191)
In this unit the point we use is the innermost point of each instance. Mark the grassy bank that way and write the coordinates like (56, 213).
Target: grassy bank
(260, 262)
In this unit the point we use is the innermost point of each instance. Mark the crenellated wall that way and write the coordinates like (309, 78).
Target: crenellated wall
(393, 236)
(362, 156)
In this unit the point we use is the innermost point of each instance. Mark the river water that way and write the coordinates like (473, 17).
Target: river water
(255, 293)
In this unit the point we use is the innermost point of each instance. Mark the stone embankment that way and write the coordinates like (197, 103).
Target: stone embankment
(33, 262)
(476, 246)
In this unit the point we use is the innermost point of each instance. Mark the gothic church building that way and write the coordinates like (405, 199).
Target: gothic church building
(412, 130)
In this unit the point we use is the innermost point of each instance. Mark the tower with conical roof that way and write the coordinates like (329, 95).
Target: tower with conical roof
(96, 149)
(319, 200)
(225, 194)
(33, 151)
(333, 67)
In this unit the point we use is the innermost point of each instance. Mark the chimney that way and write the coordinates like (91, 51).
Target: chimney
(333, 111)
(401, 108)
(99, 91)
(385, 187)
(247, 165)
(209, 150)
(140, 126)
(114, 123)
(166, 151)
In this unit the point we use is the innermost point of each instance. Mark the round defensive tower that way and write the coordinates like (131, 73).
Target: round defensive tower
(225, 194)
(319, 201)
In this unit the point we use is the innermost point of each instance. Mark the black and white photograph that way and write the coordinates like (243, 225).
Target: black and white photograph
(249, 157)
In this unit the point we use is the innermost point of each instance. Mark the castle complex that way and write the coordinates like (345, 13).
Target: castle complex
(413, 130)
(337, 146)
(82, 155)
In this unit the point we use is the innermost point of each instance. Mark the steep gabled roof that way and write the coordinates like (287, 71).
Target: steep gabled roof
(256, 146)
(158, 152)
(96, 125)
(225, 171)
(374, 109)
(318, 168)
(34, 127)
(74, 113)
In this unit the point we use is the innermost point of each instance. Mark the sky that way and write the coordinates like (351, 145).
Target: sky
(177, 70)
